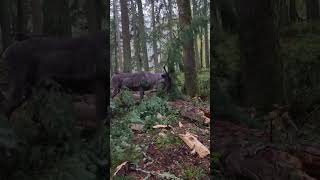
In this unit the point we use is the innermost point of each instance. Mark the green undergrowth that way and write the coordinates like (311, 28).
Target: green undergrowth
(203, 82)
(126, 112)
(41, 142)
(300, 53)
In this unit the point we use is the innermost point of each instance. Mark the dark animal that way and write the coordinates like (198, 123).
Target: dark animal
(79, 64)
(141, 81)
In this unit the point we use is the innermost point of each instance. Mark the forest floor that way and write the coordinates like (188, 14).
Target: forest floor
(247, 153)
(165, 155)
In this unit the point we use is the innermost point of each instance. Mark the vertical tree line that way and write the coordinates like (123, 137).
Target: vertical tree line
(150, 37)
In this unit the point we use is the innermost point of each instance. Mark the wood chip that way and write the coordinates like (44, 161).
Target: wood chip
(180, 124)
(118, 168)
(195, 144)
(160, 126)
(159, 116)
(137, 127)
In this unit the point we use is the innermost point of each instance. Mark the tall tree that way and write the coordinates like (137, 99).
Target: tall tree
(126, 36)
(136, 38)
(56, 19)
(117, 34)
(259, 48)
(293, 11)
(5, 23)
(312, 8)
(190, 74)
(197, 57)
(36, 16)
(206, 35)
(154, 37)
(22, 15)
(95, 13)
(143, 37)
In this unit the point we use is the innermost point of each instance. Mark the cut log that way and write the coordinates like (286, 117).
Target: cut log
(195, 144)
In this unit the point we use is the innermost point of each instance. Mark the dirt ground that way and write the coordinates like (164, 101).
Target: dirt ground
(173, 160)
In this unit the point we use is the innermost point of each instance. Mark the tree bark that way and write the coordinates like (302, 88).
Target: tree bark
(5, 23)
(56, 18)
(293, 11)
(94, 15)
(22, 15)
(117, 35)
(312, 8)
(197, 57)
(36, 16)
(143, 37)
(154, 38)
(126, 36)
(201, 50)
(191, 86)
(261, 65)
(136, 39)
(206, 37)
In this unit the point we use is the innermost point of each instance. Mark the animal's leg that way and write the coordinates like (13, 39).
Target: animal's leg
(141, 93)
(115, 92)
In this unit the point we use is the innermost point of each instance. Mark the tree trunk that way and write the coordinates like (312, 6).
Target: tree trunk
(184, 10)
(94, 15)
(22, 16)
(143, 37)
(312, 8)
(284, 12)
(154, 38)
(197, 57)
(56, 18)
(201, 51)
(293, 11)
(115, 68)
(259, 47)
(5, 23)
(137, 42)
(126, 36)
(36, 16)
(206, 36)
(117, 33)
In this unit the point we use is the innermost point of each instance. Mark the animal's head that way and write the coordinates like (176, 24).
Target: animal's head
(166, 80)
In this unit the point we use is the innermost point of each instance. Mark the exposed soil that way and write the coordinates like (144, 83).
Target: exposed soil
(174, 158)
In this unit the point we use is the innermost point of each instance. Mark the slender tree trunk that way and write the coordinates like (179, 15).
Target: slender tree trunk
(184, 10)
(143, 37)
(171, 64)
(118, 36)
(154, 38)
(36, 16)
(206, 37)
(22, 18)
(115, 42)
(312, 8)
(5, 23)
(137, 42)
(284, 12)
(196, 49)
(56, 18)
(94, 15)
(259, 47)
(126, 36)
(201, 51)
(293, 11)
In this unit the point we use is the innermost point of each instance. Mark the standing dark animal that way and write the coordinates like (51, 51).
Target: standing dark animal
(79, 64)
(141, 81)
